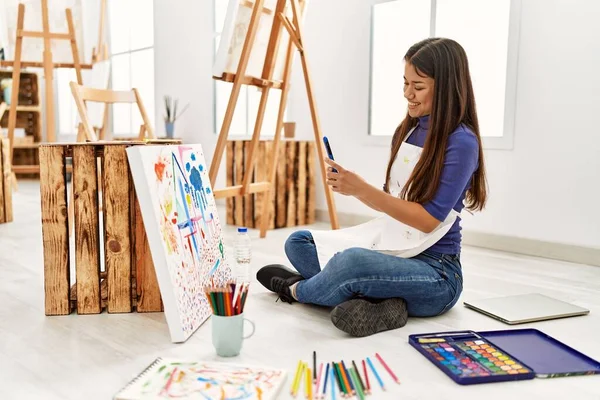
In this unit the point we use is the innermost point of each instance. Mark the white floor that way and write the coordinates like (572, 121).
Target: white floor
(93, 356)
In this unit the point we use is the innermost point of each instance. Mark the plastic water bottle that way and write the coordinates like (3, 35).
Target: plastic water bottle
(243, 255)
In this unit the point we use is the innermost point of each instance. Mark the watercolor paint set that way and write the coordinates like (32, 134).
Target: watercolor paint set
(469, 357)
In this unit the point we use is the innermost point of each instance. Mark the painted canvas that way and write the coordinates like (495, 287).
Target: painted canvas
(233, 36)
(183, 229)
(184, 379)
(33, 47)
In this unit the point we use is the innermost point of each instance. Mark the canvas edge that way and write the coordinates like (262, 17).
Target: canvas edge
(148, 215)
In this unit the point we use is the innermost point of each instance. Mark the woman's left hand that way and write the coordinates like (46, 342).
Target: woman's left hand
(343, 181)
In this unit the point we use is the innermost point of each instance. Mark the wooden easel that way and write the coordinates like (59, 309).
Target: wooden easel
(265, 83)
(48, 65)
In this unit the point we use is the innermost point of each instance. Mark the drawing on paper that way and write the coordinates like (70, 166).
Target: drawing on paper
(170, 378)
(183, 229)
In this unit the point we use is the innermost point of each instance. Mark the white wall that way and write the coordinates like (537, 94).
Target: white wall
(545, 188)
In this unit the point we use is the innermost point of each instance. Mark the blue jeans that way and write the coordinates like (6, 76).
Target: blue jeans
(430, 282)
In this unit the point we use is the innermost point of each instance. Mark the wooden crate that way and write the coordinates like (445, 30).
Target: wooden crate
(6, 212)
(293, 198)
(127, 280)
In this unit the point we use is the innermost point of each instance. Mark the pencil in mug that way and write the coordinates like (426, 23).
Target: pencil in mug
(389, 370)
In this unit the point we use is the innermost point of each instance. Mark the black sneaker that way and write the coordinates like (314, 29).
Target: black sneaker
(361, 317)
(278, 279)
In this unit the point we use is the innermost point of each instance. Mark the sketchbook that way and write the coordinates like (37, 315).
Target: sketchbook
(168, 378)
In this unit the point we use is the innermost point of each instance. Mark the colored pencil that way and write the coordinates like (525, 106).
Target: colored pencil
(308, 384)
(375, 373)
(394, 377)
(339, 379)
(352, 389)
(326, 378)
(359, 391)
(345, 378)
(314, 366)
(226, 299)
(295, 381)
(318, 384)
(360, 381)
(332, 383)
(298, 380)
(364, 364)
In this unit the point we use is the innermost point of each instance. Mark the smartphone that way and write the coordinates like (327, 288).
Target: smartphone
(328, 149)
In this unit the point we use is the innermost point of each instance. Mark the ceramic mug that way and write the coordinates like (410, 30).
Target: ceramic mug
(228, 334)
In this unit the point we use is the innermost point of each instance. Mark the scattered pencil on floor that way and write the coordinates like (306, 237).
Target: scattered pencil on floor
(388, 369)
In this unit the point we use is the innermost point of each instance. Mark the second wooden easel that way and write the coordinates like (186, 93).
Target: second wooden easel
(48, 65)
(265, 83)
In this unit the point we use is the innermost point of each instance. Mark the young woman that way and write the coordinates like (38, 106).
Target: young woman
(406, 263)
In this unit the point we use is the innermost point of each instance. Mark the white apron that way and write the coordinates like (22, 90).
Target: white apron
(385, 234)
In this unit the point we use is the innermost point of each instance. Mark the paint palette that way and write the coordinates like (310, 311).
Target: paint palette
(468, 358)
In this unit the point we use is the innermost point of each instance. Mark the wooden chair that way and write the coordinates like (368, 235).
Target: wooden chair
(90, 132)
(83, 94)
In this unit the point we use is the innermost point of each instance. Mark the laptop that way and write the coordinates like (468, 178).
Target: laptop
(524, 308)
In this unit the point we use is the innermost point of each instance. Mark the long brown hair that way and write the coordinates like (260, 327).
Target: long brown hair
(445, 61)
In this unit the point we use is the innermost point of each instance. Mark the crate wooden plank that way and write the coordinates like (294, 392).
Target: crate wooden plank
(3, 143)
(281, 186)
(310, 182)
(301, 184)
(55, 237)
(148, 291)
(238, 159)
(248, 198)
(269, 146)
(87, 247)
(229, 172)
(260, 176)
(291, 183)
(117, 235)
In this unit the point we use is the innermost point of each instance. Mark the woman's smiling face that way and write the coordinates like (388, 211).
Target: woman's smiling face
(418, 90)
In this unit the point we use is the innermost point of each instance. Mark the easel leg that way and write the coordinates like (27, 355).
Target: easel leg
(16, 78)
(273, 167)
(316, 124)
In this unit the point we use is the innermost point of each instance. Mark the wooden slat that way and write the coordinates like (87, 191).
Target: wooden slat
(311, 182)
(236, 190)
(148, 291)
(301, 182)
(87, 247)
(26, 169)
(7, 180)
(238, 159)
(261, 176)
(3, 143)
(251, 81)
(53, 192)
(37, 64)
(229, 182)
(268, 160)
(249, 198)
(281, 183)
(117, 228)
(291, 183)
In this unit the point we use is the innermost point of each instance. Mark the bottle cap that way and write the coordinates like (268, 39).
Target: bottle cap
(242, 230)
